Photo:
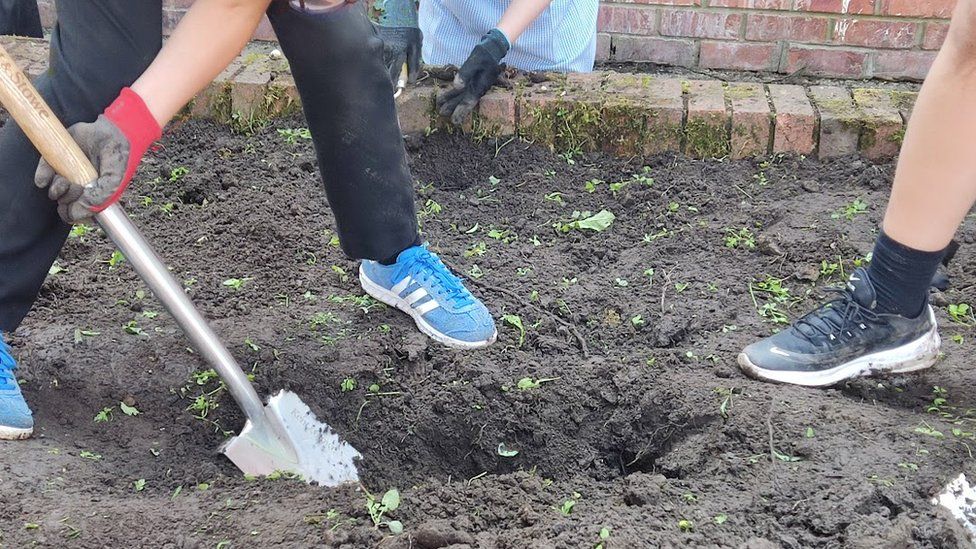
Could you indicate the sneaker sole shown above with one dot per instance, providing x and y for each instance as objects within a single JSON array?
[
  {"x": 13, "y": 433},
  {"x": 393, "y": 300},
  {"x": 913, "y": 356}
]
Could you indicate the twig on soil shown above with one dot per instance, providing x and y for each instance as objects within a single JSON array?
[
  {"x": 769, "y": 426},
  {"x": 584, "y": 348}
]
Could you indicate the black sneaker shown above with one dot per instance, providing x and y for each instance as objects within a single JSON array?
[{"x": 844, "y": 339}]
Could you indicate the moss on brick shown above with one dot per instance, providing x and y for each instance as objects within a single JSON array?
[
  {"x": 566, "y": 126},
  {"x": 706, "y": 139}
]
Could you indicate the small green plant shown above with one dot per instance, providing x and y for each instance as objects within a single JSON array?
[
  {"x": 348, "y": 384},
  {"x": 128, "y": 410},
  {"x": 476, "y": 250},
  {"x": 139, "y": 485},
  {"x": 828, "y": 269},
  {"x": 567, "y": 507},
  {"x": 236, "y": 283},
  {"x": 104, "y": 415},
  {"x": 527, "y": 383},
  {"x": 637, "y": 320},
  {"x": 132, "y": 327},
  {"x": 116, "y": 259},
  {"x": 960, "y": 312},
  {"x": 85, "y": 454},
  {"x": 720, "y": 519},
  {"x": 556, "y": 197},
  {"x": 742, "y": 238},
  {"x": 597, "y": 222},
  {"x": 178, "y": 173},
  {"x": 592, "y": 185},
  {"x": 341, "y": 274},
  {"x": 604, "y": 535},
  {"x": 379, "y": 509},
  {"x": 686, "y": 525},
  {"x": 292, "y": 136},
  {"x": 777, "y": 295},
  {"x": 516, "y": 322},
  {"x": 849, "y": 211}
]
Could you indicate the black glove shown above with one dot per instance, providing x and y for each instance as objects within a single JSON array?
[
  {"x": 401, "y": 45},
  {"x": 475, "y": 77}
]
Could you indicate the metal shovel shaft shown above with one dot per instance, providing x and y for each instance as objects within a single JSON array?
[{"x": 170, "y": 292}]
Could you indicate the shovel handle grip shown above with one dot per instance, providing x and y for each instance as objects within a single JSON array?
[{"x": 42, "y": 127}]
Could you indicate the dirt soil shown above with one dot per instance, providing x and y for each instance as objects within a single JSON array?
[{"x": 634, "y": 419}]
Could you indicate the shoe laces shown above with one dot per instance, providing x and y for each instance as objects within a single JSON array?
[
  {"x": 838, "y": 316},
  {"x": 7, "y": 367},
  {"x": 424, "y": 266}
]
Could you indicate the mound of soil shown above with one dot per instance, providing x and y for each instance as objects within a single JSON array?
[{"x": 611, "y": 402}]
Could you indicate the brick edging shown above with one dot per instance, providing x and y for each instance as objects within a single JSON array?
[{"x": 623, "y": 114}]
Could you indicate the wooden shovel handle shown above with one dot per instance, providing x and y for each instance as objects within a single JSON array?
[{"x": 42, "y": 127}]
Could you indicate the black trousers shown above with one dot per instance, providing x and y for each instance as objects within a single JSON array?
[
  {"x": 20, "y": 17},
  {"x": 100, "y": 46}
]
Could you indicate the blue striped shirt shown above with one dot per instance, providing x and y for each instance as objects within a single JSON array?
[{"x": 562, "y": 39}]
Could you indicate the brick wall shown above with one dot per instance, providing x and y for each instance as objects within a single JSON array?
[{"x": 891, "y": 39}]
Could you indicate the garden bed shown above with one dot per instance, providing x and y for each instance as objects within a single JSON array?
[{"x": 614, "y": 376}]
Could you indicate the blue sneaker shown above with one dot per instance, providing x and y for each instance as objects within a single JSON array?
[
  {"x": 420, "y": 285},
  {"x": 15, "y": 417}
]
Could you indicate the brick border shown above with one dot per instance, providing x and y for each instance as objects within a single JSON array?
[{"x": 622, "y": 114}]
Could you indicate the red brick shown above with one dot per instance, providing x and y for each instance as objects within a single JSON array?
[
  {"x": 752, "y": 4},
  {"x": 900, "y": 65},
  {"x": 626, "y": 20},
  {"x": 795, "y": 120},
  {"x": 840, "y": 130},
  {"x": 751, "y": 119},
  {"x": 706, "y": 135},
  {"x": 415, "y": 109},
  {"x": 655, "y": 50},
  {"x": 497, "y": 110},
  {"x": 721, "y": 25},
  {"x": 738, "y": 56},
  {"x": 794, "y": 28},
  {"x": 875, "y": 34},
  {"x": 826, "y": 62},
  {"x": 664, "y": 2},
  {"x": 858, "y": 7},
  {"x": 935, "y": 34},
  {"x": 918, "y": 8},
  {"x": 882, "y": 126}
]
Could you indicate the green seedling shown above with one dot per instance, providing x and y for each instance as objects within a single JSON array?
[
  {"x": 686, "y": 525},
  {"x": 828, "y": 269},
  {"x": 507, "y": 235},
  {"x": 132, "y": 327},
  {"x": 139, "y": 485},
  {"x": 516, "y": 322},
  {"x": 592, "y": 185},
  {"x": 116, "y": 259},
  {"x": 556, "y": 197},
  {"x": 128, "y": 410},
  {"x": 785, "y": 457},
  {"x": 348, "y": 384},
  {"x": 597, "y": 222},
  {"x": 911, "y": 467},
  {"x": 957, "y": 338},
  {"x": 178, "y": 173},
  {"x": 727, "y": 401},
  {"x": 651, "y": 237},
  {"x": 79, "y": 231},
  {"x": 250, "y": 344},
  {"x": 850, "y": 210},
  {"x": 341, "y": 274},
  {"x": 168, "y": 208},
  {"x": 673, "y": 207},
  {"x": 85, "y": 454},
  {"x": 961, "y": 313},
  {"x": 567, "y": 507},
  {"x": 680, "y": 286},
  {"x": 236, "y": 283},
  {"x": 637, "y": 320},
  {"x": 105, "y": 415},
  {"x": 689, "y": 497},
  {"x": 292, "y": 136},
  {"x": 56, "y": 268},
  {"x": 777, "y": 294},
  {"x": 379, "y": 509},
  {"x": 476, "y": 250},
  {"x": 527, "y": 383},
  {"x": 80, "y": 334},
  {"x": 475, "y": 272},
  {"x": 742, "y": 238},
  {"x": 604, "y": 535},
  {"x": 720, "y": 519},
  {"x": 809, "y": 433}
]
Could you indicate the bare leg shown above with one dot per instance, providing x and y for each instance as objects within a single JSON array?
[{"x": 935, "y": 184}]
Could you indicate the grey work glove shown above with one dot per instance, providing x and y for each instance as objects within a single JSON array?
[
  {"x": 114, "y": 143},
  {"x": 475, "y": 77},
  {"x": 402, "y": 40}
]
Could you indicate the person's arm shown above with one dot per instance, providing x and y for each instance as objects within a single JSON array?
[
  {"x": 208, "y": 38},
  {"x": 211, "y": 34},
  {"x": 519, "y": 16}
]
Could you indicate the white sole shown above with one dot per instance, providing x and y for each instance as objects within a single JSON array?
[
  {"x": 393, "y": 300},
  {"x": 13, "y": 433},
  {"x": 913, "y": 356}
]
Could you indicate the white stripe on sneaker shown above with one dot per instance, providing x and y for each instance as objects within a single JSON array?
[
  {"x": 427, "y": 307},
  {"x": 416, "y": 296},
  {"x": 402, "y": 285}
]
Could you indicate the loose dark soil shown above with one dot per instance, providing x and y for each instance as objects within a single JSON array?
[{"x": 646, "y": 421}]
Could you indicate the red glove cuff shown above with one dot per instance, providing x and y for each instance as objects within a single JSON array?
[{"x": 131, "y": 115}]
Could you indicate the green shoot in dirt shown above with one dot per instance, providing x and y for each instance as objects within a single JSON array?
[
  {"x": 686, "y": 525},
  {"x": 476, "y": 250},
  {"x": 139, "y": 485},
  {"x": 105, "y": 415},
  {"x": 742, "y": 238},
  {"x": 293, "y": 135},
  {"x": 378, "y": 509},
  {"x": 236, "y": 283},
  {"x": 527, "y": 383},
  {"x": 726, "y": 406},
  {"x": 132, "y": 328},
  {"x": 592, "y": 185},
  {"x": 567, "y": 507},
  {"x": 960, "y": 313},
  {"x": 128, "y": 410},
  {"x": 178, "y": 173},
  {"x": 516, "y": 322},
  {"x": 850, "y": 210},
  {"x": 776, "y": 294},
  {"x": 597, "y": 222},
  {"x": 116, "y": 259},
  {"x": 604, "y": 535},
  {"x": 348, "y": 384},
  {"x": 85, "y": 454}
]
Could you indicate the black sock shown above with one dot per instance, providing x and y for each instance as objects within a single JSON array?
[
  {"x": 901, "y": 276},
  {"x": 393, "y": 259}
]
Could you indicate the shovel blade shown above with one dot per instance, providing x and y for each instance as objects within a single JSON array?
[{"x": 293, "y": 440}]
